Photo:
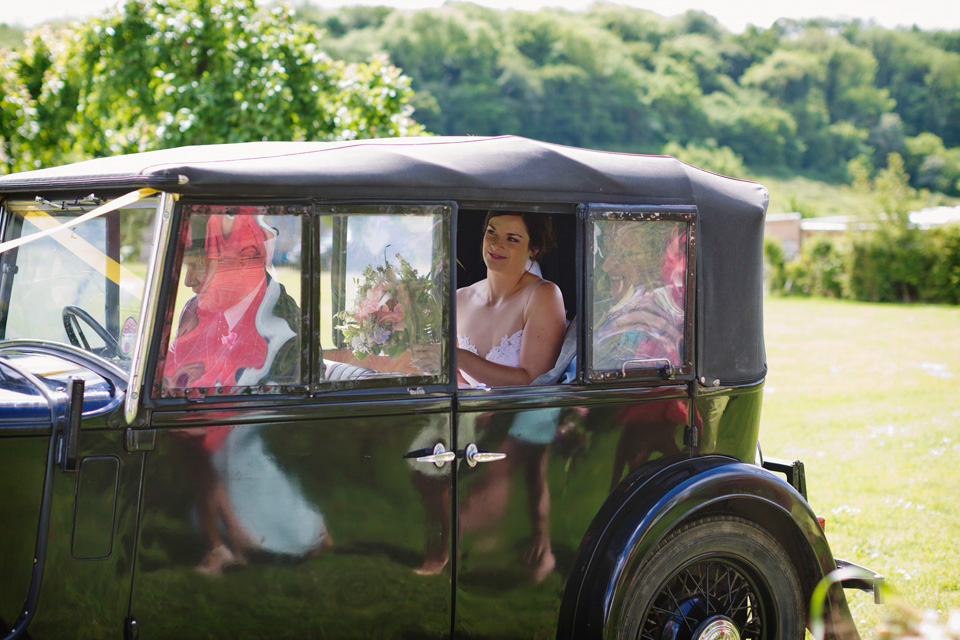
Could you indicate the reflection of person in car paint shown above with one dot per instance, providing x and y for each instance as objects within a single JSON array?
[
  {"x": 241, "y": 326},
  {"x": 644, "y": 319},
  {"x": 648, "y": 430},
  {"x": 527, "y": 446},
  {"x": 239, "y": 329}
]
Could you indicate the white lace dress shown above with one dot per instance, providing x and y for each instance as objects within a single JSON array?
[{"x": 506, "y": 353}]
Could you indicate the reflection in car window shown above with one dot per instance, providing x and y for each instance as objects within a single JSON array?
[
  {"x": 89, "y": 277},
  {"x": 382, "y": 301},
  {"x": 638, "y": 311},
  {"x": 237, "y": 316}
]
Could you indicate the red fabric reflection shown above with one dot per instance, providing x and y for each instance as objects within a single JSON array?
[
  {"x": 218, "y": 335},
  {"x": 673, "y": 269}
]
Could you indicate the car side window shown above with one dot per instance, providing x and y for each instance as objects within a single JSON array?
[
  {"x": 237, "y": 319},
  {"x": 639, "y": 296},
  {"x": 384, "y": 295}
]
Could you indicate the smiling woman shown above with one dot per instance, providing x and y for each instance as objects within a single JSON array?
[{"x": 510, "y": 324}]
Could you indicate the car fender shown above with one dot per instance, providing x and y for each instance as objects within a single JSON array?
[{"x": 653, "y": 502}]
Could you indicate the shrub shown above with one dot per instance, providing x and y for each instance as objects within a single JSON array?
[
  {"x": 887, "y": 265},
  {"x": 891, "y": 264},
  {"x": 867, "y": 275},
  {"x": 820, "y": 269},
  {"x": 942, "y": 281},
  {"x": 774, "y": 265}
]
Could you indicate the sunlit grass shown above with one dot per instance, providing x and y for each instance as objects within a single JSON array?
[{"x": 867, "y": 396}]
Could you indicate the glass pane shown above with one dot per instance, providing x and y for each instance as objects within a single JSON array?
[
  {"x": 639, "y": 270},
  {"x": 382, "y": 295},
  {"x": 237, "y": 312},
  {"x": 89, "y": 277}
]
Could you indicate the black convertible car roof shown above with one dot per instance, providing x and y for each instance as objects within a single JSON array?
[{"x": 491, "y": 170}]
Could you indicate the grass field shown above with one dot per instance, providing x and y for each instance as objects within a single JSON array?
[{"x": 866, "y": 395}]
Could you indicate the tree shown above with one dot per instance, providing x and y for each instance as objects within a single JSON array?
[
  {"x": 887, "y": 137},
  {"x": 943, "y": 106},
  {"x": 765, "y": 135},
  {"x": 631, "y": 25},
  {"x": 925, "y": 161},
  {"x": 788, "y": 76},
  {"x": 903, "y": 66},
  {"x": 894, "y": 192},
  {"x": 38, "y": 106},
  {"x": 677, "y": 101},
  {"x": 850, "y": 92},
  {"x": 709, "y": 156},
  {"x": 454, "y": 59},
  {"x": 18, "y": 126},
  {"x": 162, "y": 73},
  {"x": 703, "y": 54}
]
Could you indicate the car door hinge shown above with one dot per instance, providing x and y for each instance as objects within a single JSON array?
[
  {"x": 140, "y": 440},
  {"x": 130, "y": 629},
  {"x": 691, "y": 437}
]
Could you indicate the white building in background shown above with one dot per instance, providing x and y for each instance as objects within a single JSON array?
[{"x": 792, "y": 230}]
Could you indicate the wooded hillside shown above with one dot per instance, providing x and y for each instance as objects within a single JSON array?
[{"x": 804, "y": 97}]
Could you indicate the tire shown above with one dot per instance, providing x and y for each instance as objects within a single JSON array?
[{"x": 710, "y": 578}]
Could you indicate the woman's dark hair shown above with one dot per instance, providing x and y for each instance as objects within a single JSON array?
[{"x": 539, "y": 228}]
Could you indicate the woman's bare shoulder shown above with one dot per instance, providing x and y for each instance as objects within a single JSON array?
[
  {"x": 543, "y": 289},
  {"x": 545, "y": 298},
  {"x": 471, "y": 292}
]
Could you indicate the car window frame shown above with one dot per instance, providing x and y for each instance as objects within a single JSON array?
[
  {"x": 590, "y": 214},
  {"x": 409, "y": 384},
  {"x": 167, "y": 303}
]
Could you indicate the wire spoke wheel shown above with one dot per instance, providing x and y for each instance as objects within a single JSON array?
[
  {"x": 720, "y": 578},
  {"x": 699, "y": 599}
]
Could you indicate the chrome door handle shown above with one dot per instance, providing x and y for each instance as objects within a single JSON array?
[
  {"x": 473, "y": 455},
  {"x": 440, "y": 456}
]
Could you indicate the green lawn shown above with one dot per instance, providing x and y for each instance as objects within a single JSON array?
[{"x": 866, "y": 395}]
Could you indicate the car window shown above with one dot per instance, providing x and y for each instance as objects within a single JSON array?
[
  {"x": 638, "y": 296},
  {"x": 82, "y": 285},
  {"x": 384, "y": 293},
  {"x": 237, "y": 320}
]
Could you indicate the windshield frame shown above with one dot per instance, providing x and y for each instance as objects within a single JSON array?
[{"x": 148, "y": 309}]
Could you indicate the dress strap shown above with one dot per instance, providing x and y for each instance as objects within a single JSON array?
[{"x": 532, "y": 287}]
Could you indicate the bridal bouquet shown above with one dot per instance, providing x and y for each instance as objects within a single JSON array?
[{"x": 395, "y": 308}]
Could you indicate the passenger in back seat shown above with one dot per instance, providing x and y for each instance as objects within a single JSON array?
[{"x": 510, "y": 325}]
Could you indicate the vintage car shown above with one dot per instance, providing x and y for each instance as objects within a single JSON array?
[{"x": 212, "y": 423}]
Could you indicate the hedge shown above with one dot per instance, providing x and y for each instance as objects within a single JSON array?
[{"x": 887, "y": 265}]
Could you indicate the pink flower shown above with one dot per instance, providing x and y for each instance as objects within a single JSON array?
[
  {"x": 375, "y": 298},
  {"x": 229, "y": 339},
  {"x": 397, "y": 316}
]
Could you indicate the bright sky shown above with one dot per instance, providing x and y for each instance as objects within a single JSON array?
[{"x": 735, "y": 15}]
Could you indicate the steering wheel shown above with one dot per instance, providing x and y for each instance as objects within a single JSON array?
[{"x": 71, "y": 317}]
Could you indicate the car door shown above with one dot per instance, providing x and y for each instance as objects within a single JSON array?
[
  {"x": 303, "y": 486},
  {"x": 540, "y": 462},
  {"x": 70, "y": 307}
]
